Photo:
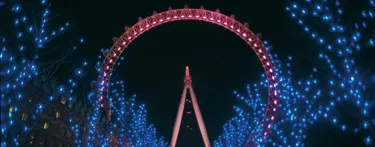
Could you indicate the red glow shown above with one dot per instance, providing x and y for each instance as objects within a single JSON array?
[
  {"x": 198, "y": 114},
  {"x": 187, "y": 72},
  {"x": 200, "y": 15}
]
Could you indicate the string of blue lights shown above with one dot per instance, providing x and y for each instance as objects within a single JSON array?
[
  {"x": 306, "y": 102},
  {"x": 303, "y": 102},
  {"x": 21, "y": 48},
  {"x": 129, "y": 120}
]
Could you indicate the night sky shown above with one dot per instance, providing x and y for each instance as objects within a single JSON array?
[{"x": 220, "y": 62}]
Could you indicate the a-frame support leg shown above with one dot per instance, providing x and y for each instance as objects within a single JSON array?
[
  {"x": 199, "y": 117},
  {"x": 177, "y": 124},
  {"x": 197, "y": 111}
]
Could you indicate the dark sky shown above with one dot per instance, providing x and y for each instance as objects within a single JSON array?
[{"x": 154, "y": 64}]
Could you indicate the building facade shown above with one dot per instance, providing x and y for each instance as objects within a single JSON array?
[{"x": 51, "y": 126}]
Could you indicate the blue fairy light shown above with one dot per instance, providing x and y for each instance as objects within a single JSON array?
[
  {"x": 319, "y": 101},
  {"x": 20, "y": 71}
]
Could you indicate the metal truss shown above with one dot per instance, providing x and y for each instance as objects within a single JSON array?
[{"x": 214, "y": 17}]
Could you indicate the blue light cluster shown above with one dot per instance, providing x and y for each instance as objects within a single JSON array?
[
  {"x": 94, "y": 136},
  {"x": 334, "y": 83},
  {"x": 71, "y": 86},
  {"x": 22, "y": 45},
  {"x": 127, "y": 119}
]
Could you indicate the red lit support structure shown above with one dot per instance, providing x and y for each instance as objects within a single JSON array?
[
  {"x": 213, "y": 17},
  {"x": 197, "y": 111}
]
